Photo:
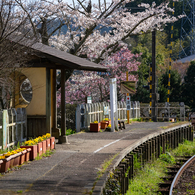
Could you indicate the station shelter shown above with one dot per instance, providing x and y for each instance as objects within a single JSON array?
[{"x": 36, "y": 89}]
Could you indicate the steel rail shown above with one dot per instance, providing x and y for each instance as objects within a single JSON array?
[{"x": 179, "y": 173}]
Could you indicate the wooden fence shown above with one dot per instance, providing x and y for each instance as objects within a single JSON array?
[
  {"x": 13, "y": 127},
  {"x": 87, "y": 113}
]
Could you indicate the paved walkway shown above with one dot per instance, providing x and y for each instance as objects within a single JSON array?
[{"x": 72, "y": 169}]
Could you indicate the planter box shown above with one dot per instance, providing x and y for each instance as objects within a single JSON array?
[
  {"x": 48, "y": 144},
  {"x": 22, "y": 157},
  {"x": 27, "y": 155},
  {"x": 95, "y": 127},
  {"x": 44, "y": 146},
  {"x": 1, "y": 162},
  {"x": 5, "y": 165},
  {"x": 108, "y": 122},
  {"x": 33, "y": 152},
  {"x": 52, "y": 142},
  {"x": 40, "y": 148},
  {"x": 11, "y": 162},
  {"x": 104, "y": 124},
  {"x": 17, "y": 159}
]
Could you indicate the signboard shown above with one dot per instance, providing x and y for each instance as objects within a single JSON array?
[
  {"x": 128, "y": 102},
  {"x": 89, "y": 100},
  {"x": 106, "y": 110}
]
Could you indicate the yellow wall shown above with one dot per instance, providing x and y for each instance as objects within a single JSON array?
[{"x": 37, "y": 77}]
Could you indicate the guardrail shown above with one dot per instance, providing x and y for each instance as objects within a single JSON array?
[{"x": 13, "y": 127}]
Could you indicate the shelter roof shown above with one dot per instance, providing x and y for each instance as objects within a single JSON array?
[{"x": 57, "y": 58}]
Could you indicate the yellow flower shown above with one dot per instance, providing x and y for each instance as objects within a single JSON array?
[
  {"x": 106, "y": 119},
  {"x": 95, "y": 122},
  {"x": 2, "y": 157},
  {"x": 48, "y": 135},
  {"x": 109, "y": 126},
  {"x": 7, "y": 154},
  {"x": 44, "y": 137}
]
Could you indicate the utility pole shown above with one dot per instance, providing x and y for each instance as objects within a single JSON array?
[{"x": 154, "y": 113}]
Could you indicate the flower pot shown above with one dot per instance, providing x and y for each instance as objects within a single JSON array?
[
  {"x": 104, "y": 124},
  {"x": 48, "y": 144},
  {"x": 11, "y": 162},
  {"x": 33, "y": 152},
  {"x": 1, "y": 162},
  {"x": 17, "y": 159},
  {"x": 108, "y": 122},
  {"x": 44, "y": 144},
  {"x": 40, "y": 148},
  {"x": 52, "y": 142},
  {"x": 27, "y": 156},
  {"x": 95, "y": 127},
  {"x": 22, "y": 157},
  {"x": 5, "y": 165}
]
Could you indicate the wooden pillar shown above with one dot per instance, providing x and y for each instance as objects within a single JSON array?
[
  {"x": 63, "y": 137},
  {"x": 55, "y": 131},
  {"x": 48, "y": 101}
]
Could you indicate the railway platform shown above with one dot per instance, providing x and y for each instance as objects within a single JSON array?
[{"x": 73, "y": 168}]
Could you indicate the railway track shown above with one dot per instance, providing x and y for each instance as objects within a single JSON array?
[{"x": 174, "y": 174}]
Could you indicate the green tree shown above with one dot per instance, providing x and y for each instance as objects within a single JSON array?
[
  {"x": 175, "y": 87},
  {"x": 142, "y": 94},
  {"x": 189, "y": 86}
]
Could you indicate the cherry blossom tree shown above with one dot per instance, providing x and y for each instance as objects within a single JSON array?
[
  {"x": 91, "y": 30},
  {"x": 94, "y": 31},
  {"x": 80, "y": 85}
]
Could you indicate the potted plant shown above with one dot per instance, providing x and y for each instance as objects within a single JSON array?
[
  {"x": 5, "y": 165},
  {"x": 108, "y": 128},
  {"x": 32, "y": 144},
  {"x": 39, "y": 145},
  {"x": 22, "y": 156},
  {"x": 17, "y": 154},
  {"x": 95, "y": 126},
  {"x": 48, "y": 141},
  {"x": 50, "y": 145},
  {"x": 108, "y": 121},
  {"x": 1, "y": 162},
  {"x": 44, "y": 144},
  {"x": 27, "y": 156},
  {"x": 104, "y": 124}
]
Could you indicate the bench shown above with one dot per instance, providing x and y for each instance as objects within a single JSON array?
[{"x": 121, "y": 124}]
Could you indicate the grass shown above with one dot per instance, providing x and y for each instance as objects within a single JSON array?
[
  {"x": 70, "y": 132},
  {"x": 100, "y": 173},
  {"x": 147, "y": 179},
  {"x": 46, "y": 154}
]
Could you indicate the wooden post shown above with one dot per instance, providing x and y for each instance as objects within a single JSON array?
[
  {"x": 55, "y": 132},
  {"x": 63, "y": 137},
  {"x": 48, "y": 101}
]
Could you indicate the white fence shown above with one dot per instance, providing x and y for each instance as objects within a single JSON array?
[
  {"x": 87, "y": 113},
  {"x": 13, "y": 127}
]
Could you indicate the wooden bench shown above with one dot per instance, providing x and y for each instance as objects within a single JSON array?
[{"x": 121, "y": 124}]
